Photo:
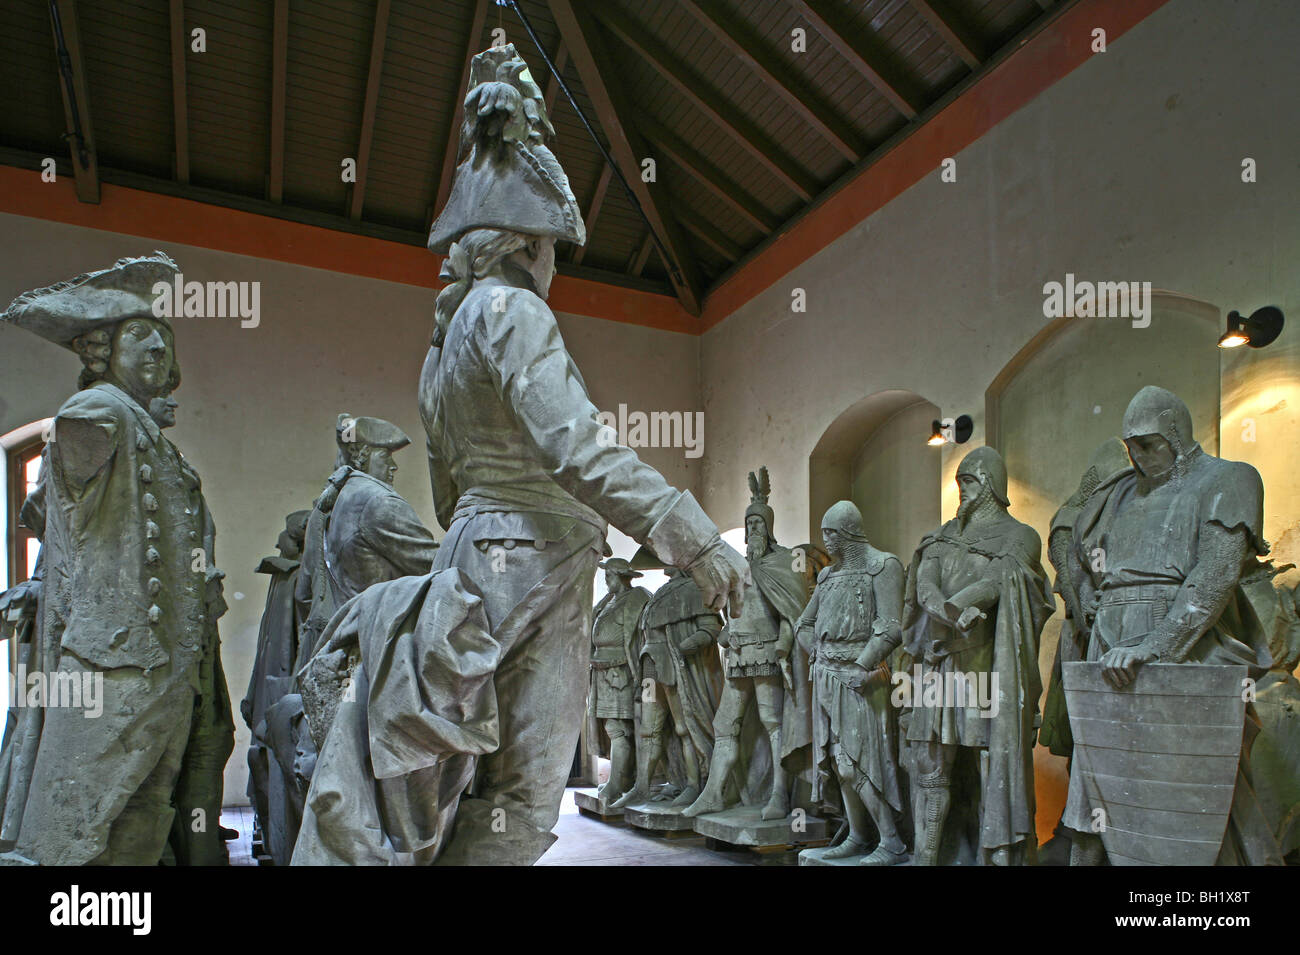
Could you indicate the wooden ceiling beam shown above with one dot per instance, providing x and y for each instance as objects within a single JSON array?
[
  {"x": 593, "y": 210},
  {"x": 945, "y": 22},
  {"x": 708, "y": 175},
  {"x": 378, "y": 41},
  {"x": 279, "y": 79},
  {"x": 835, "y": 29},
  {"x": 708, "y": 233},
  {"x": 180, "y": 107},
  {"x": 600, "y": 79},
  {"x": 560, "y": 59},
  {"x": 775, "y": 75},
  {"x": 640, "y": 256},
  {"x": 452, "y": 148},
  {"x": 76, "y": 99},
  {"x": 699, "y": 93}
]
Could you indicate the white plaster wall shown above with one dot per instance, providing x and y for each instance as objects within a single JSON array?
[{"x": 257, "y": 406}]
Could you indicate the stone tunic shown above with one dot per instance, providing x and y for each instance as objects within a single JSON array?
[
  {"x": 854, "y": 725},
  {"x": 613, "y": 654}
]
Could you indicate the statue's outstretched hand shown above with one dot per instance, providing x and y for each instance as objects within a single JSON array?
[{"x": 722, "y": 576}]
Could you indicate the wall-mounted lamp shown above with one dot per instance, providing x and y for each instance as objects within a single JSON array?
[
  {"x": 1260, "y": 329},
  {"x": 951, "y": 431}
]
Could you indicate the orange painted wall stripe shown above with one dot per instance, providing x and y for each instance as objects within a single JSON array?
[
  {"x": 164, "y": 219},
  {"x": 1060, "y": 48}
]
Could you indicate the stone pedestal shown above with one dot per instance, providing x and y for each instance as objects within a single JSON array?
[
  {"x": 590, "y": 803},
  {"x": 745, "y": 826},
  {"x": 661, "y": 818}
]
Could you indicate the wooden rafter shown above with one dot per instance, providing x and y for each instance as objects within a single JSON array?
[
  {"x": 707, "y": 175},
  {"x": 708, "y": 233},
  {"x": 180, "y": 108},
  {"x": 600, "y": 79},
  {"x": 279, "y": 79},
  {"x": 832, "y": 26},
  {"x": 775, "y": 75},
  {"x": 452, "y": 148},
  {"x": 593, "y": 210},
  {"x": 76, "y": 99},
  {"x": 701, "y": 95},
  {"x": 641, "y": 255},
  {"x": 943, "y": 19},
  {"x": 560, "y": 59},
  {"x": 378, "y": 41}
]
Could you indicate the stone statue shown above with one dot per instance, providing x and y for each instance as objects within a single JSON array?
[
  {"x": 853, "y": 624},
  {"x": 1160, "y": 552},
  {"x": 276, "y": 798},
  {"x": 680, "y": 676},
  {"x": 524, "y": 482},
  {"x": 360, "y": 530},
  {"x": 197, "y": 837},
  {"x": 124, "y": 533},
  {"x": 975, "y": 603},
  {"x": 612, "y": 695},
  {"x": 758, "y": 668}
]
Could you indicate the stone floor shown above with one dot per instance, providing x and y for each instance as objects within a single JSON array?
[{"x": 581, "y": 841}]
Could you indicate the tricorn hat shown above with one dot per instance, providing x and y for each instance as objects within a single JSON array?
[
  {"x": 507, "y": 178},
  {"x": 619, "y": 566},
  {"x": 67, "y": 310},
  {"x": 372, "y": 432}
]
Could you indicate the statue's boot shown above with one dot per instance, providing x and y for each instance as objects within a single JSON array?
[
  {"x": 692, "y": 790},
  {"x": 725, "y": 750},
  {"x": 778, "y": 805},
  {"x": 620, "y": 766},
  {"x": 1086, "y": 849},
  {"x": 935, "y": 800},
  {"x": 647, "y": 757},
  {"x": 884, "y": 856},
  {"x": 849, "y": 847}
]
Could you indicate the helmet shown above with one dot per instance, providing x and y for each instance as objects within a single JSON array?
[{"x": 845, "y": 519}]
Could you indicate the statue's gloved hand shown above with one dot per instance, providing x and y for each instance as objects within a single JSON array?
[
  {"x": 20, "y": 601},
  {"x": 1119, "y": 665},
  {"x": 722, "y": 576},
  {"x": 968, "y": 618},
  {"x": 695, "y": 642}
]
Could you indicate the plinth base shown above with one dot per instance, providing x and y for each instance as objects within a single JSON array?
[
  {"x": 590, "y": 803},
  {"x": 661, "y": 818},
  {"x": 745, "y": 826}
]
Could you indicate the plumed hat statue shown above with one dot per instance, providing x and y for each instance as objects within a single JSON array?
[{"x": 507, "y": 177}]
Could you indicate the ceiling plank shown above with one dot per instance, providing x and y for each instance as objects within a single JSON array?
[
  {"x": 640, "y": 256},
  {"x": 378, "y": 40},
  {"x": 945, "y": 22},
  {"x": 762, "y": 147},
  {"x": 593, "y": 211},
  {"x": 560, "y": 59},
  {"x": 180, "y": 107},
  {"x": 76, "y": 99},
  {"x": 835, "y": 29},
  {"x": 279, "y": 77},
  {"x": 452, "y": 149},
  {"x": 776, "y": 76},
  {"x": 709, "y": 234},
  {"x": 708, "y": 175},
  {"x": 600, "y": 79}
]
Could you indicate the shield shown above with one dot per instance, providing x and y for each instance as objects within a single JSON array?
[{"x": 1158, "y": 757}]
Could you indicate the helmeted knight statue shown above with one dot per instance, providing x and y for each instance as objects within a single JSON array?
[
  {"x": 679, "y": 683},
  {"x": 759, "y": 672},
  {"x": 1161, "y": 551},
  {"x": 611, "y": 697},
  {"x": 852, "y": 625},
  {"x": 125, "y": 605},
  {"x": 524, "y": 482},
  {"x": 975, "y": 603}
]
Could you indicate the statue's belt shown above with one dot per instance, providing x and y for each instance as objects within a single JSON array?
[
  {"x": 841, "y": 651},
  {"x": 736, "y": 639},
  {"x": 1135, "y": 593},
  {"x": 604, "y": 657}
]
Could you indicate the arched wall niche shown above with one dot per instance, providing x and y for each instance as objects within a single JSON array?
[
  {"x": 1061, "y": 396},
  {"x": 874, "y": 454}
]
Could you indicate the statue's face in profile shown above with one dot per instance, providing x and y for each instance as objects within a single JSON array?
[
  {"x": 287, "y": 546},
  {"x": 381, "y": 466},
  {"x": 614, "y": 583},
  {"x": 831, "y": 538},
  {"x": 1151, "y": 454},
  {"x": 141, "y": 362},
  {"x": 163, "y": 411}
]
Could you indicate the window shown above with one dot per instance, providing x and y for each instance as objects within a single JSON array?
[{"x": 24, "y": 471}]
